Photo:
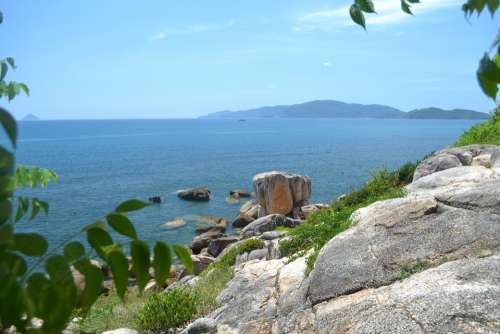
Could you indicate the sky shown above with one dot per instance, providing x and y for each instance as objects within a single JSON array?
[{"x": 97, "y": 59}]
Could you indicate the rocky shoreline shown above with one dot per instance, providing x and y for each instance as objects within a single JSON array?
[{"x": 428, "y": 262}]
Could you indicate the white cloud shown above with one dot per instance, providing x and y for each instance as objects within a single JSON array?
[
  {"x": 388, "y": 12},
  {"x": 193, "y": 29}
]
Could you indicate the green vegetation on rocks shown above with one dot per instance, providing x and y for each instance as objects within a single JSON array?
[
  {"x": 326, "y": 224},
  {"x": 484, "y": 133},
  {"x": 164, "y": 312}
]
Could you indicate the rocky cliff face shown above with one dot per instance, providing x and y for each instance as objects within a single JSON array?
[{"x": 425, "y": 263}]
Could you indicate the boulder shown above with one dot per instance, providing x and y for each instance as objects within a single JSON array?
[
  {"x": 216, "y": 246},
  {"x": 201, "y": 326},
  {"x": 436, "y": 163},
  {"x": 155, "y": 199},
  {"x": 450, "y": 179},
  {"x": 212, "y": 220},
  {"x": 203, "y": 240},
  {"x": 210, "y": 228},
  {"x": 195, "y": 194},
  {"x": 452, "y": 157},
  {"x": 242, "y": 220},
  {"x": 457, "y": 297},
  {"x": 481, "y": 160},
  {"x": 279, "y": 192},
  {"x": 312, "y": 208},
  {"x": 271, "y": 235},
  {"x": 388, "y": 235},
  {"x": 121, "y": 331},
  {"x": 200, "y": 263},
  {"x": 495, "y": 158},
  {"x": 238, "y": 193},
  {"x": 250, "y": 209},
  {"x": 269, "y": 223}
]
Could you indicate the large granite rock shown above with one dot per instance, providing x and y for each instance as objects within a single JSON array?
[
  {"x": 279, "y": 192},
  {"x": 389, "y": 235},
  {"x": 268, "y": 223},
  {"x": 453, "y": 157},
  {"x": 457, "y": 297},
  {"x": 121, "y": 331},
  {"x": 195, "y": 194},
  {"x": 200, "y": 263}
]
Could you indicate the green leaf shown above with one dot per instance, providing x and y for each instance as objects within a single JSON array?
[
  {"x": 93, "y": 284},
  {"x": 140, "y": 262},
  {"x": 183, "y": 255},
  {"x": 488, "y": 76},
  {"x": 357, "y": 16},
  {"x": 366, "y": 6},
  {"x": 1, "y": 17},
  {"x": 96, "y": 224},
  {"x": 9, "y": 125},
  {"x": 121, "y": 224},
  {"x": 131, "y": 205},
  {"x": 119, "y": 267},
  {"x": 3, "y": 70},
  {"x": 6, "y": 236},
  {"x": 35, "y": 208},
  {"x": 161, "y": 262},
  {"x": 38, "y": 291},
  {"x": 5, "y": 210},
  {"x": 405, "y": 7},
  {"x": 414, "y": 1},
  {"x": 22, "y": 207},
  {"x": 14, "y": 262},
  {"x": 73, "y": 251},
  {"x": 65, "y": 297},
  {"x": 11, "y": 62},
  {"x": 30, "y": 244},
  {"x": 98, "y": 239},
  {"x": 24, "y": 88}
]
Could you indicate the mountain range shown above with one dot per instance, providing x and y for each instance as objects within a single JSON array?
[{"x": 338, "y": 109}]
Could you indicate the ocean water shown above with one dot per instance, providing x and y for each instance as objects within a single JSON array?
[{"x": 101, "y": 163}]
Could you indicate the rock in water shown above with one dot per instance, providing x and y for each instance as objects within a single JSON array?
[
  {"x": 195, "y": 194},
  {"x": 240, "y": 193},
  {"x": 178, "y": 222},
  {"x": 279, "y": 192}
]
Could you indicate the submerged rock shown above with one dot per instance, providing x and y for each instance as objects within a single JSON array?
[
  {"x": 195, "y": 194},
  {"x": 178, "y": 222}
]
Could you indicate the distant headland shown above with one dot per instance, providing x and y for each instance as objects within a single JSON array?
[{"x": 338, "y": 109}]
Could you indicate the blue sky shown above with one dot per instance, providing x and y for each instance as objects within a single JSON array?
[{"x": 180, "y": 59}]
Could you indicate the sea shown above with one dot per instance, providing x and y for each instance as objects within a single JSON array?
[{"x": 101, "y": 163}]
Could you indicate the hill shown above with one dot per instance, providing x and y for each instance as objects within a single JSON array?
[
  {"x": 338, "y": 109},
  {"x": 30, "y": 117}
]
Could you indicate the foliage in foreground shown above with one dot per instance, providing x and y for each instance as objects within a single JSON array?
[
  {"x": 484, "y": 133},
  {"x": 165, "y": 312},
  {"x": 45, "y": 289},
  {"x": 326, "y": 224}
]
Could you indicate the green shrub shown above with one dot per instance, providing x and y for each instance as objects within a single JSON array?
[
  {"x": 485, "y": 133},
  {"x": 167, "y": 311},
  {"x": 325, "y": 224},
  {"x": 409, "y": 269},
  {"x": 164, "y": 312}
]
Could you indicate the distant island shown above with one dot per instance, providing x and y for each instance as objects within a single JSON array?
[
  {"x": 338, "y": 109},
  {"x": 30, "y": 117}
]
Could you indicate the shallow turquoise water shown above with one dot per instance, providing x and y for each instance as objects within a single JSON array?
[{"x": 101, "y": 163}]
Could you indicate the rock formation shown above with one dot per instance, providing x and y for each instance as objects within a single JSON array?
[
  {"x": 428, "y": 262},
  {"x": 279, "y": 192}
]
